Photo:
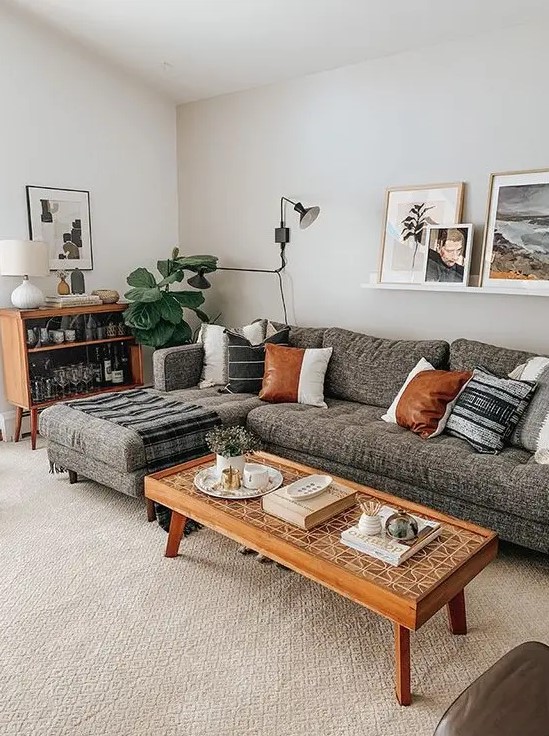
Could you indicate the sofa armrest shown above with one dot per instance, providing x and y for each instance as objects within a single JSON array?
[{"x": 177, "y": 368}]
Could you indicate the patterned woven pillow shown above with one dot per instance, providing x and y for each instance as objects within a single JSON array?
[
  {"x": 532, "y": 431},
  {"x": 247, "y": 361},
  {"x": 488, "y": 410}
]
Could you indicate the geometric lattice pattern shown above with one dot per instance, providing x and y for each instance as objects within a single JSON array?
[{"x": 413, "y": 579}]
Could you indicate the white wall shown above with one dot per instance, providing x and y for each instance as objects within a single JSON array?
[
  {"x": 69, "y": 120},
  {"x": 452, "y": 112}
]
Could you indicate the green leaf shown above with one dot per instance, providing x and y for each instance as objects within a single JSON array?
[
  {"x": 141, "y": 278},
  {"x": 142, "y": 315},
  {"x": 202, "y": 315},
  {"x": 205, "y": 263},
  {"x": 158, "y": 337},
  {"x": 190, "y": 299},
  {"x": 177, "y": 275},
  {"x": 182, "y": 334},
  {"x": 170, "y": 309},
  {"x": 142, "y": 294},
  {"x": 164, "y": 267}
]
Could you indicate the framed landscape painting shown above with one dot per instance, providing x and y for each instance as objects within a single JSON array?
[
  {"x": 61, "y": 218},
  {"x": 409, "y": 211},
  {"x": 516, "y": 238}
]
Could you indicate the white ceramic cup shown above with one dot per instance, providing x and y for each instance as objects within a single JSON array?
[{"x": 255, "y": 476}]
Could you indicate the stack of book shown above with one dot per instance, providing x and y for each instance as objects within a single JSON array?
[
  {"x": 310, "y": 512},
  {"x": 72, "y": 300},
  {"x": 386, "y": 548}
]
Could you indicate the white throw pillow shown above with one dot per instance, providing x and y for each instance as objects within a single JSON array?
[
  {"x": 390, "y": 415},
  {"x": 216, "y": 350}
]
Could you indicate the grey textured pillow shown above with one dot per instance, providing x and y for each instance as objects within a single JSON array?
[
  {"x": 488, "y": 410},
  {"x": 532, "y": 432}
]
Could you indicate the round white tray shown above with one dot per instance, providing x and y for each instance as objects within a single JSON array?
[{"x": 207, "y": 481}]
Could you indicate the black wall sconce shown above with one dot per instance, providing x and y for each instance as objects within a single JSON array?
[{"x": 307, "y": 215}]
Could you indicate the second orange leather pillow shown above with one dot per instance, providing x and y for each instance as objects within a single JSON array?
[{"x": 427, "y": 401}]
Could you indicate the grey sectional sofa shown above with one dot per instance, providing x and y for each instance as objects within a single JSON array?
[{"x": 506, "y": 492}]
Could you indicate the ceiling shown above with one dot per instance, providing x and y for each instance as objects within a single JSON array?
[{"x": 193, "y": 49}]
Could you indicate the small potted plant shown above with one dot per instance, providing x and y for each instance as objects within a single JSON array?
[{"x": 231, "y": 444}]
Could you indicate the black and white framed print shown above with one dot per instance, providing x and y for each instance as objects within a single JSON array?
[
  {"x": 61, "y": 218},
  {"x": 448, "y": 254}
]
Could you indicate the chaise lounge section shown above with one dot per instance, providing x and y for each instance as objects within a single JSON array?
[{"x": 507, "y": 492}]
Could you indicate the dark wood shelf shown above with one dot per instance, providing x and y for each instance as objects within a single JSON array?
[
  {"x": 60, "y": 346},
  {"x": 95, "y": 392}
]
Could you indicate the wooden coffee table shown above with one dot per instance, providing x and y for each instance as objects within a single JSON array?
[{"x": 407, "y": 595}]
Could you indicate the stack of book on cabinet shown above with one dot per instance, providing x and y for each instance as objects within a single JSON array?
[
  {"x": 307, "y": 513},
  {"x": 386, "y": 548},
  {"x": 72, "y": 300}
]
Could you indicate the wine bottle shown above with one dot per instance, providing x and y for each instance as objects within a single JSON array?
[
  {"x": 117, "y": 372},
  {"x": 125, "y": 363},
  {"x": 98, "y": 370},
  {"x": 107, "y": 365}
]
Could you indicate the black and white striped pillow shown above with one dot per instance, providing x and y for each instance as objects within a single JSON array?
[
  {"x": 247, "y": 362},
  {"x": 488, "y": 410}
]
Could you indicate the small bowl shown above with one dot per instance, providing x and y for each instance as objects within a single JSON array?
[
  {"x": 401, "y": 526},
  {"x": 107, "y": 296}
]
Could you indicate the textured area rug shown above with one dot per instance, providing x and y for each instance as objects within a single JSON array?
[{"x": 101, "y": 635}]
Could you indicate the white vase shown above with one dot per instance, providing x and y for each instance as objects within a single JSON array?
[
  {"x": 370, "y": 525},
  {"x": 236, "y": 463}
]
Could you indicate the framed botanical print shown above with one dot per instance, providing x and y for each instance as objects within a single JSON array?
[
  {"x": 516, "y": 237},
  {"x": 61, "y": 218},
  {"x": 408, "y": 213},
  {"x": 448, "y": 258}
]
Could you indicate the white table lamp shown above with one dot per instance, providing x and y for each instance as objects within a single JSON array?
[{"x": 25, "y": 258}]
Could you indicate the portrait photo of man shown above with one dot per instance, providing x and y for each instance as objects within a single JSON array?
[{"x": 448, "y": 254}]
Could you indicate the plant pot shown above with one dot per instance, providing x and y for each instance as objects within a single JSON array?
[{"x": 236, "y": 463}]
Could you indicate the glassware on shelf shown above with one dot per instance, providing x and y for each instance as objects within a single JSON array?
[
  {"x": 75, "y": 377},
  {"x": 32, "y": 337},
  {"x": 61, "y": 379},
  {"x": 88, "y": 374}
]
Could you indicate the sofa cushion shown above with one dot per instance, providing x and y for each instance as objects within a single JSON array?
[
  {"x": 122, "y": 448},
  {"x": 303, "y": 337},
  {"x": 372, "y": 369},
  {"x": 354, "y": 434},
  {"x": 465, "y": 355}
]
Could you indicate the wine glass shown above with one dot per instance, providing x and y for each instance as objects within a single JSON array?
[
  {"x": 75, "y": 377},
  {"x": 87, "y": 376},
  {"x": 61, "y": 379}
]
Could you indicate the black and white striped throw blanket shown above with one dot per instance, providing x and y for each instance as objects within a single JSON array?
[{"x": 172, "y": 432}]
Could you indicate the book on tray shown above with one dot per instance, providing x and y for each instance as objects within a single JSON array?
[
  {"x": 309, "y": 512},
  {"x": 386, "y": 548}
]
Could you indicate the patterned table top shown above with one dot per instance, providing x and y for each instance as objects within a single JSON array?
[{"x": 412, "y": 580}]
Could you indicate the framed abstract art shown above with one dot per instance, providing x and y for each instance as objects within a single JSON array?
[
  {"x": 408, "y": 213},
  {"x": 61, "y": 218}
]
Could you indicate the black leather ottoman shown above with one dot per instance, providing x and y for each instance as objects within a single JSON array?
[{"x": 509, "y": 699}]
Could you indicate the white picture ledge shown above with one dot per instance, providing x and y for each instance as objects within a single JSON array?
[{"x": 449, "y": 289}]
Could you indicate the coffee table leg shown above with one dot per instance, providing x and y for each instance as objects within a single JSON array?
[
  {"x": 177, "y": 526},
  {"x": 402, "y": 660},
  {"x": 457, "y": 617}
]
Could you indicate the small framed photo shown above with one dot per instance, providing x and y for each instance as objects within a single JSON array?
[
  {"x": 61, "y": 218},
  {"x": 448, "y": 254}
]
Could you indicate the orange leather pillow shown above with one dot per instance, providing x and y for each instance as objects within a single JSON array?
[
  {"x": 428, "y": 399},
  {"x": 295, "y": 375}
]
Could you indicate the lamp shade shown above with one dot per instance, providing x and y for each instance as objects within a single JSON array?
[
  {"x": 307, "y": 215},
  {"x": 24, "y": 258}
]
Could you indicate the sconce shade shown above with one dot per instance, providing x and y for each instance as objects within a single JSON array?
[
  {"x": 24, "y": 258},
  {"x": 199, "y": 281},
  {"x": 307, "y": 215}
]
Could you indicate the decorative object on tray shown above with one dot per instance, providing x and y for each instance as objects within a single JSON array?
[
  {"x": 408, "y": 213},
  {"x": 63, "y": 289},
  {"x": 385, "y": 548},
  {"x": 155, "y": 314},
  {"x": 516, "y": 240},
  {"x": 488, "y": 410},
  {"x": 231, "y": 479},
  {"x": 61, "y": 218},
  {"x": 310, "y": 512},
  {"x": 402, "y": 526},
  {"x": 448, "y": 254},
  {"x": 370, "y": 521},
  {"x": 231, "y": 444},
  {"x": 209, "y": 481},
  {"x": 78, "y": 284},
  {"x": 255, "y": 476},
  {"x": 295, "y": 375},
  {"x": 24, "y": 258},
  {"x": 246, "y": 363},
  {"x": 107, "y": 296},
  {"x": 308, "y": 487}
]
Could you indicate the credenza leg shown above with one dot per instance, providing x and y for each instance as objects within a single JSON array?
[
  {"x": 34, "y": 427},
  {"x": 177, "y": 527},
  {"x": 402, "y": 661},
  {"x": 18, "y": 420}
]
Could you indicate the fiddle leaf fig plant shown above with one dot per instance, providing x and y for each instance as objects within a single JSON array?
[{"x": 156, "y": 314}]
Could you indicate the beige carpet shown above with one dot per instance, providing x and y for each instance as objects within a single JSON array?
[{"x": 100, "y": 634}]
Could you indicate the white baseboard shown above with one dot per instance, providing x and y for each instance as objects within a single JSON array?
[{"x": 7, "y": 425}]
